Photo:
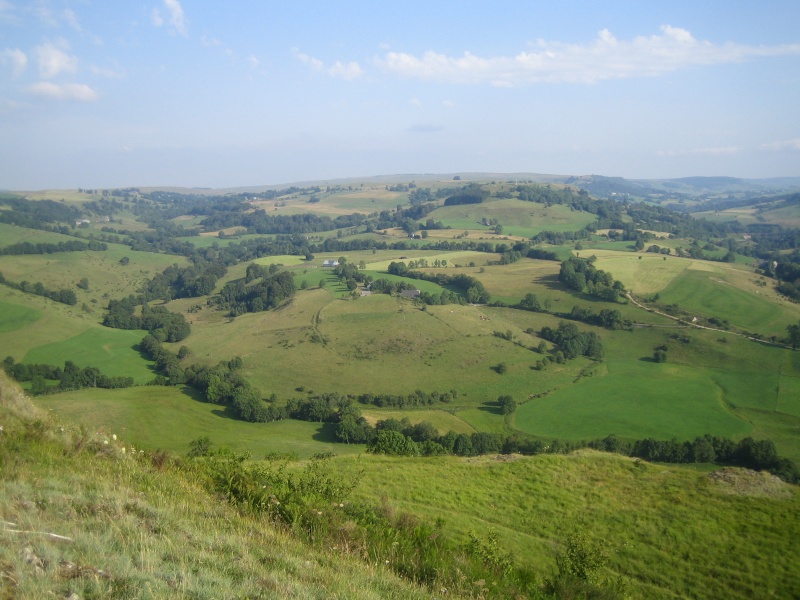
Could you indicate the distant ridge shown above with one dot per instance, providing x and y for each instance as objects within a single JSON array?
[{"x": 598, "y": 185}]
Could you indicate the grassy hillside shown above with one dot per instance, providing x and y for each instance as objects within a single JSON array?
[
  {"x": 671, "y": 532},
  {"x": 83, "y": 514}
]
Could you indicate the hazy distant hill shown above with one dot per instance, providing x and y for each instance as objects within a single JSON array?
[{"x": 597, "y": 185}]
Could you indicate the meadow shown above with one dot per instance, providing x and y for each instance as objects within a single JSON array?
[
  {"x": 168, "y": 418},
  {"x": 708, "y": 289},
  {"x": 517, "y": 217}
]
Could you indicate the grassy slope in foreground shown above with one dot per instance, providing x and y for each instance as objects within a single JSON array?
[
  {"x": 139, "y": 531},
  {"x": 671, "y": 531}
]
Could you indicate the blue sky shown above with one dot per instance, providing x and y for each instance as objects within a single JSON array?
[{"x": 220, "y": 94}]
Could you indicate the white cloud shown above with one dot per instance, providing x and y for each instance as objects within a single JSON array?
[
  {"x": 53, "y": 59},
  {"x": 253, "y": 61},
  {"x": 448, "y": 103},
  {"x": 176, "y": 16},
  {"x": 66, "y": 91},
  {"x": 16, "y": 58},
  {"x": 783, "y": 145},
  {"x": 314, "y": 63},
  {"x": 556, "y": 62},
  {"x": 415, "y": 102},
  {"x": 348, "y": 71}
]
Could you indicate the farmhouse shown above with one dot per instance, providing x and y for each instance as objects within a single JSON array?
[
  {"x": 330, "y": 262},
  {"x": 410, "y": 294}
]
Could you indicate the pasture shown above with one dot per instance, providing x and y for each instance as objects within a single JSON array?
[
  {"x": 442, "y": 420},
  {"x": 110, "y": 350},
  {"x": 518, "y": 217},
  {"x": 166, "y": 418},
  {"x": 102, "y": 269},
  {"x": 11, "y": 234},
  {"x": 363, "y": 200},
  {"x": 377, "y": 344},
  {"x": 634, "y": 399},
  {"x": 706, "y": 288},
  {"x": 16, "y": 316}
]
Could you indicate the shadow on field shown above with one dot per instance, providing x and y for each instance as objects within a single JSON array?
[
  {"x": 326, "y": 433},
  {"x": 551, "y": 282},
  {"x": 492, "y": 407},
  {"x": 226, "y": 413}
]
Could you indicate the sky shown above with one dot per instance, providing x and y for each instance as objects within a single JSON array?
[{"x": 202, "y": 93}]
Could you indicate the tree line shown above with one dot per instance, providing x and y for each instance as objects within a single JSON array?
[
  {"x": 47, "y": 248},
  {"x": 161, "y": 323},
  {"x": 64, "y": 296},
  {"x": 70, "y": 377}
]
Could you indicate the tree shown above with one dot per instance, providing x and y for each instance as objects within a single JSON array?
[
  {"x": 507, "y": 404},
  {"x": 660, "y": 356},
  {"x": 794, "y": 335},
  {"x": 501, "y": 368}
]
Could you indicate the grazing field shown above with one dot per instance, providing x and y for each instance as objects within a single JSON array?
[
  {"x": 785, "y": 216},
  {"x": 55, "y": 322},
  {"x": 517, "y": 217},
  {"x": 15, "y": 316},
  {"x": 442, "y": 420},
  {"x": 11, "y": 234},
  {"x": 365, "y": 201},
  {"x": 156, "y": 417},
  {"x": 642, "y": 273},
  {"x": 660, "y": 523},
  {"x": 110, "y": 350},
  {"x": 377, "y": 344},
  {"x": 461, "y": 257},
  {"x": 102, "y": 269},
  {"x": 722, "y": 290},
  {"x": 634, "y": 399},
  {"x": 711, "y": 293}
]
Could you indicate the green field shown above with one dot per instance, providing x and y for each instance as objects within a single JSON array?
[
  {"x": 634, "y": 399},
  {"x": 110, "y": 350},
  {"x": 14, "y": 316},
  {"x": 517, "y": 217},
  {"x": 11, "y": 234},
  {"x": 709, "y": 294},
  {"x": 166, "y": 418}
]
